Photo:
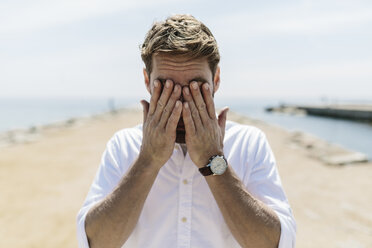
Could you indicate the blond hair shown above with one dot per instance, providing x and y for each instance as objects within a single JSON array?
[{"x": 180, "y": 35}]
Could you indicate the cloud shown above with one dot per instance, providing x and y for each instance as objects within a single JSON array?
[
  {"x": 333, "y": 78},
  {"x": 334, "y": 70},
  {"x": 68, "y": 65},
  {"x": 109, "y": 70},
  {"x": 38, "y": 14},
  {"x": 301, "y": 19}
]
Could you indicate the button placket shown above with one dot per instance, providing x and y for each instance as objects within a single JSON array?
[
  {"x": 178, "y": 158},
  {"x": 185, "y": 204}
]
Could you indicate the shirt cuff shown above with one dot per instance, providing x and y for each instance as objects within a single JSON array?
[
  {"x": 288, "y": 231},
  {"x": 81, "y": 234}
]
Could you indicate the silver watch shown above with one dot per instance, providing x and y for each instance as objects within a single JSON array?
[{"x": 217, "y": 166}]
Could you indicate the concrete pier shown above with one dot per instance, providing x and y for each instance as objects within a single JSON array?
[{"x": 350, "y": 112}]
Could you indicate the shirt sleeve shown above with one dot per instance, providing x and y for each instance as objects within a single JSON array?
[
  {"x": 264, "y": 183},
  {"x": 106, "y": 179}
]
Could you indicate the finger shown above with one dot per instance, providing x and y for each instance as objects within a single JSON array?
[
  {"x": 208, "y": 99},
  {"x": 155, "y": 96},
  {"x": 145, "y": 107},
  {"x": 199, "y": 102},
  {"x": 192, "y": 108},
  {"x": 222, "y": 119},
  {"x": 174, "y": 118},
  {"x": 187, "y": 119},
  {"x": 167, "y": 111},
  {"x": 163, "y": 100}
]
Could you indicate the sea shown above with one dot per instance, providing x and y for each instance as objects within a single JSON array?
[{"x": 23, "y": 113}]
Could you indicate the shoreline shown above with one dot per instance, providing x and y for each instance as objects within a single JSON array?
[
  {"x": 35, "y": 132},
  {"x": 44, "y": 182},
  {"x": 328, "y": 153}
]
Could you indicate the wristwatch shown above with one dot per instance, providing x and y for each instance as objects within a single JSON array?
[{"x": 217, "y": 166}]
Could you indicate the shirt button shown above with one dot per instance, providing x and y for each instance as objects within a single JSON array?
[
  {"x": 184, "y": 219},
  {"x": 185, "y": 181}
]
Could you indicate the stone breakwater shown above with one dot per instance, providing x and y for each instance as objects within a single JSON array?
[
  {"x": 315, "y": 147},
  {"x": 348, "y": 112}
]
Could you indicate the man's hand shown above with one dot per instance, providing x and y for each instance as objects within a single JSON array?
[
  {"x": 204, "y": 132},
  {"x": 111, "y": 221},
  {"x": 160, "y": 119}
]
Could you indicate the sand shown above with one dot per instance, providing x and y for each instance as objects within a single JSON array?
[{"x": 44, "y": 181}]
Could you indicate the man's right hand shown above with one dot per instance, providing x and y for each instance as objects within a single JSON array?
[
  {"x": 160, "y": 119},
  {"x": 111, "y": 221}
]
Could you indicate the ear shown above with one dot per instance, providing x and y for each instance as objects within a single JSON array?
[
  {"x": 216, "y": 80},
  {"x": 147, "y": 80}
]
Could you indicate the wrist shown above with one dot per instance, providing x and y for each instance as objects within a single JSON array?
[
  {"x": 149, "y": 163},
  {"x": 217, "y": 165},
  {"x": 205, "y": 160}
]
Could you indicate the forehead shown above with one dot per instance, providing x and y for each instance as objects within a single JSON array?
[{"x": 180, "y": 69}]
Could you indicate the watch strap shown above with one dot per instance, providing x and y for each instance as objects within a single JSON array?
[{"x": 206, "y": 171}]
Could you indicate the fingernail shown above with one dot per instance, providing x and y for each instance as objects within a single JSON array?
[
  {"x": 177, "y": 104},
  {"x": 194, "y": 85},
  {"x": 186, "y": 105},
  {"x": 156, "y": 84},
  {"x": 206, "y": 86},
  {"x": 187, "y": 91},
  {"x": 176, "y": 88},
  {"x": 167, "y": 84}
]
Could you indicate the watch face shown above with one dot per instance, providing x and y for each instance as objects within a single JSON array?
[{"x": 218, "y": 165}]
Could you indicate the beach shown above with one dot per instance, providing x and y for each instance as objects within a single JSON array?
[{"x": 45, "y": 174}]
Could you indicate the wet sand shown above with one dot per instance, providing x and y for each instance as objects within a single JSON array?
[{"x": 44, "y": 180}]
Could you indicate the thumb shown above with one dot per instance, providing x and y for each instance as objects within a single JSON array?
[
  {"x": 222, "y": 119},
  {"x": 145, "y": 106}
]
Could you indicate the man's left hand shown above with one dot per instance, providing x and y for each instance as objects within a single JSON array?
[{"x": 204, "y": 131}]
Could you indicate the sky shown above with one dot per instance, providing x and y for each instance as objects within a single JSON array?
[{"x": 271, "y": 49}]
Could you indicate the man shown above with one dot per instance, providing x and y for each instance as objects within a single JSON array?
[{"x": 185, "y": 178}]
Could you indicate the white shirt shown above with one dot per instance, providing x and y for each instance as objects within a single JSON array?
[{"x": 180, "y": 210}]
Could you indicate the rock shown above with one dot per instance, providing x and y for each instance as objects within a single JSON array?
[
  {"x": 346, "y": 158},
  {"x": 328, "y": 153}
]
